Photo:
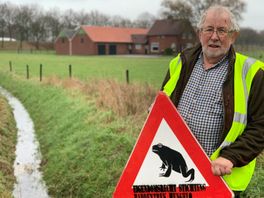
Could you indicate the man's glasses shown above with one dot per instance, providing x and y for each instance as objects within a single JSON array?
[{"x": 221, "y": 32}]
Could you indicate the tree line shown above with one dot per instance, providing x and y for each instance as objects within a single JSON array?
[{"x": 30, "y": 23}]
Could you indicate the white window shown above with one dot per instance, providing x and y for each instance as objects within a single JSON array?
[
  {"x": 138, "y": 46},
  {"x": 173, "y": 46},
  {"x": 154, "y": 47}
]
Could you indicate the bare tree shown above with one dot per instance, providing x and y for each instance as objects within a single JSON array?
[
  {"x": 192, "y": 9},
  {"x": 38, "y": 27},
  {"x": 176, "y": 9},
  {"x": 23, "y": 22},
  {"x": 68, "y": 19},
  {"x": 118, "y": 21},
  {"x": 53, "y": 24},
  {"x": 11, "y": 10},
  {"x": 3, "y": 22},
  {"x": 82, "y": 18},
  {"x": 97, "y": 18},
  {"x": 248, "y": 36},
  {"x": 145, "y": 20}
]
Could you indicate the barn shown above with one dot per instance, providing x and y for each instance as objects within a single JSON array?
[{"x": 99, "y": 40}]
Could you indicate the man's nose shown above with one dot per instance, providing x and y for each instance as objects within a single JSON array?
[{"x": 215, "y": 36}]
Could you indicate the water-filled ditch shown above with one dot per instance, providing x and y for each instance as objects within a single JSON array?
[{"x": 26, "y": 166}]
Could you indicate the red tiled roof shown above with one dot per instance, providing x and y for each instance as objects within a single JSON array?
[{"x": 112, "y": 34}]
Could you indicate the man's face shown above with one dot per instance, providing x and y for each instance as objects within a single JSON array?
[{"x": 215, "y": 35}]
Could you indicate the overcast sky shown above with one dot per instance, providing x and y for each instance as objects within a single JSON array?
[{"x": 253, "y": 17}]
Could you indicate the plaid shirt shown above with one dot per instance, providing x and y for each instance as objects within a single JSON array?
[{"x": 201, "y": 104}]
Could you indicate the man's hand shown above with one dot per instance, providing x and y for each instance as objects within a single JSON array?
[{"x": 221, "y": 166}]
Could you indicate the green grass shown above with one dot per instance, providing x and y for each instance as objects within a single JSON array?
[
  {"x": 7, "y": 148},
  {"x": 149, "y": 70},
  {"x": 82, "y": 157},
  {"x": 256, "y": 186}
]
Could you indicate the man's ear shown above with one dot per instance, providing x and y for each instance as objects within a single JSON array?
[
  {"x": 198, "y": 33},
  {"x": 234, "y": 36}
]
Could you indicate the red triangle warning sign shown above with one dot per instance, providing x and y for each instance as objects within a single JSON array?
[{"x": 167, "y": 161}]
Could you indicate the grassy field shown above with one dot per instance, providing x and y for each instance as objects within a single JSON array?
[
  {"x": 87, "y": 129},
  {"x": 141, "y": 69}
]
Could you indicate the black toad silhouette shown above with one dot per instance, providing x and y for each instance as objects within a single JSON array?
[{"x": 172, "y": 160}]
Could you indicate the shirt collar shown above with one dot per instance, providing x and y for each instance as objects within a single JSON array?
[{"x": 220, "y": 62}]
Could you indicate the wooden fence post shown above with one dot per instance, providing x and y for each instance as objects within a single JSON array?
[
  {"x": 70, "y": 71},
  {"x": 10, "y": 66},
  {"x": 127, "y": 76},
  {"x": 27, "y": 72},
  {"x": 40, "y": 73}
]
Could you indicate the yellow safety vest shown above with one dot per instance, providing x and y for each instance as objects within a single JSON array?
[{"x": 244, "y": 71}]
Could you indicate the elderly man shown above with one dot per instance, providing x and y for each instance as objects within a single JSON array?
[{"x": 220, "y": 95}]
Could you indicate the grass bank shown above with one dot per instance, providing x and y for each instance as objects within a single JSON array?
[
  {"x": 8, "y": 133},
  {"x": 84, "y": 148}
]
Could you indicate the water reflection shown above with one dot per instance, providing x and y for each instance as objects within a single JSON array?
[{"x": 26, "y": 166}]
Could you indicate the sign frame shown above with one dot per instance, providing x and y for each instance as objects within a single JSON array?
[{"x": 163, "y": 108}]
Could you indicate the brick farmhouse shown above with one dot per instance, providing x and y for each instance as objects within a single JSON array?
[{"x": 97, "y": 40}]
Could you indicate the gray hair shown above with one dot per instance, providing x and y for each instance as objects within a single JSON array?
[{"x": 233, "y": 22}]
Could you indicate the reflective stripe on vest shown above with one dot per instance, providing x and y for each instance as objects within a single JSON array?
[
  {"x": 175, "y": 70},
  {"x": 244, "y": 70}
]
